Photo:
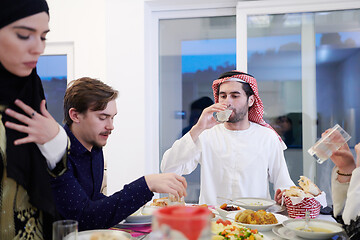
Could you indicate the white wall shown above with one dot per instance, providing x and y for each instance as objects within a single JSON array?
[
  {"x": 125, "y": 151},
  {"x": 109, "y": 45},
  {"x": 71, "y": 21}
]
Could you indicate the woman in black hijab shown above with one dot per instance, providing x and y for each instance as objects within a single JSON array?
[{"x": 32, "y": 144}]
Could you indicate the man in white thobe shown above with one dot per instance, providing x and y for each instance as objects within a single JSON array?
[{"x": 238, "y": 157}]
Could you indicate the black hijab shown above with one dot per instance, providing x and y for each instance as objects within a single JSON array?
[
  {"x": 13, "y": 10},
  {"x": 25, "y": 163}
]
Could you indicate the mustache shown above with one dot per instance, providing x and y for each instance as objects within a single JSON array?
[{"x": 105, "y": 133}]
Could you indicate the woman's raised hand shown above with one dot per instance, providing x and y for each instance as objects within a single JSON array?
[{"x": 40, "y": 127}]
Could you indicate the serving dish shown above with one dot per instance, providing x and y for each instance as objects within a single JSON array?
[
  {"x": 254, "y": 203},
  {"x": 223, "y": 213},
  {"x": 318, "y": 226},
  {"x": 263, "y": 227}
]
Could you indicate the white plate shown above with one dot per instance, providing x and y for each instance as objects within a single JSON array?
[
  {"x": 124, "y": 224},
  {"x": 142, "y": 215},
  {"x": 293, "y": 224},
  {"x": 284, "y": 232},
  {"x": 86, "y": 235},
  {"x": 139, "y": 219},
  {"x": 276, "y": 208},
  {"x": 148, "y": 210},
  {"x": 254, "y": 203},
  {"x": 264, "y": 227}
]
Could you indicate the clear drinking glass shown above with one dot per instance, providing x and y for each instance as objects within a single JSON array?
[
  {"x": 222, "y": 116},
  {"x": 329, "y": 143},
  {"x": 65, "y": 230}
]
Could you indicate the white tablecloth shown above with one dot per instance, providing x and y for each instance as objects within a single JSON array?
[{"x": 269, "y": 235}]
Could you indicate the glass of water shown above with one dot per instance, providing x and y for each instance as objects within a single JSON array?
[{"x": 329, "y": 143}]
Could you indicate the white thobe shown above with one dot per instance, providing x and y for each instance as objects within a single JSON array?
[
  {"x": 346, "y": 196},
  {"x": 234, "y": 164}
]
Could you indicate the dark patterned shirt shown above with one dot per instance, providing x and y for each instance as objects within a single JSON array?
[{"x": 77, "y": 192}]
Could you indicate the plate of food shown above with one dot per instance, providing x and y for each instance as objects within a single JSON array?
[
  {"x": 145, "y": 213},
  {"x": 103, "y": 234},
  {"x": 319, "y": 229},
  {"x": 160, "y": 202},
  {"x": 222, "y": 228},
  {"x": 260, "y": 220},
  {"x": 254, "y": 203},
  {"x": 139, "y": 217}
]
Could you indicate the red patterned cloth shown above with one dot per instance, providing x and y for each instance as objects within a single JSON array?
[
  {"x": 256, "y": 112},
  {"x": 298, "y": 210}
]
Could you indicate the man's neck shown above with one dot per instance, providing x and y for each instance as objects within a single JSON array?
[
  {"x": 76, "y": 133},
  {"x": 241, "y": 125}
]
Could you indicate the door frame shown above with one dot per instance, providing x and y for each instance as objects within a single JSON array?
[{"x": 154, "y": 12}]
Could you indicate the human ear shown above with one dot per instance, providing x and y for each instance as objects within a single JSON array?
[
  {"x": 74, "y": 115},
  {"x": 251, "y": 100}
]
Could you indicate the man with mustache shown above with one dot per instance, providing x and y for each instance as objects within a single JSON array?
[
  {"x": 90, "y": 108},
  {"x": 238, "y": 158}
]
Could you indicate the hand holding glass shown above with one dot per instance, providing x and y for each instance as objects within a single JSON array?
[
  {"x": 222, "y": 116},
  {"x": 329, "y": 143}
]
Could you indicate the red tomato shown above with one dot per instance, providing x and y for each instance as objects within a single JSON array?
[
  {"x": 223, "y": 222},
  {"x": 220, "y": 220},
  {"x": 227, "y": 222}
]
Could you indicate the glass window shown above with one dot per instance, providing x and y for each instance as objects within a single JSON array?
[
  {"x": 337, "y": 35},
  {"x": 52, "y": 70},
  {"x": 274, "y": 59},
  {"x": 305, "y": 65},
  {"x": 276, "y": 46},
  {"x": 193, "y": 53}
]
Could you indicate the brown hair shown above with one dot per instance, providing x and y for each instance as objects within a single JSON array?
[{"x": 86, "y": 94}]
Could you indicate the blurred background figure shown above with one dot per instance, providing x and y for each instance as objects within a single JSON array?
[
  {"x": 284, "y": 127},
  {"x": 196, "y": 109}
]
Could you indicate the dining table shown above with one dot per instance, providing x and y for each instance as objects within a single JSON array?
[
  {"x": 143, "y": 232},
  {"x": 270, "y": 235}
]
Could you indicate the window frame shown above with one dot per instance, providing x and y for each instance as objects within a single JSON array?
[{"x": 62, "y": 48}]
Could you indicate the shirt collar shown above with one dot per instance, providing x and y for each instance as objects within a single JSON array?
[{"x": 75, "y": 143}]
